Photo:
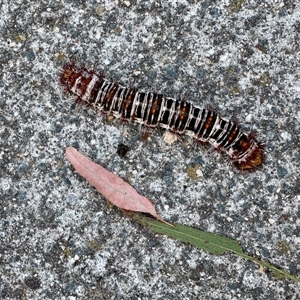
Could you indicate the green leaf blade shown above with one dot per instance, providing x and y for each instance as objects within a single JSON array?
[{"x": 212, "y": 243}]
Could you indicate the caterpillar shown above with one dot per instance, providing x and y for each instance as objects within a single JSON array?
[{"x": 156, "y": 110}]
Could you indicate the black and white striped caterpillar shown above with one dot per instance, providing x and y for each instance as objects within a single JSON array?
[{"x": 155, "y": 110}]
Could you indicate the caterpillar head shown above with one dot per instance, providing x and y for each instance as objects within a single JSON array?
[{"x": 254, "y": 157}]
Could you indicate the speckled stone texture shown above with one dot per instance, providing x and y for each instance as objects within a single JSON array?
[{"x": 59, "y": 238}]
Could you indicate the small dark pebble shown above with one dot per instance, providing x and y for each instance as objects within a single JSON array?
[
  {"x": 282, "y": 172},
  {"x": 33, "y": 282},
  {"x": 122, "y": 150},
  {"x": 22, "y": 168},
  {"x": 75, "y": 145}
]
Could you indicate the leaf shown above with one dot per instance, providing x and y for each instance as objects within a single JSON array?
[
  {"x": 212, "y": 243},
  {"x": 111, "y": 186}
]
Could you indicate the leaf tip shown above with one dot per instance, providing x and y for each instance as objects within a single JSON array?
[{"x": 69, "y": 149}]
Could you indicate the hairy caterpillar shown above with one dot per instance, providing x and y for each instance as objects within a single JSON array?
[{"x": 155, "y": 110}]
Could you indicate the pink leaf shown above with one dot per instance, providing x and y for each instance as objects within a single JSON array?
[{"x": 111, "y": 186}]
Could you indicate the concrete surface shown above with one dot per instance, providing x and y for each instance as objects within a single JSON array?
[{"x": 59, "y": 238}]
